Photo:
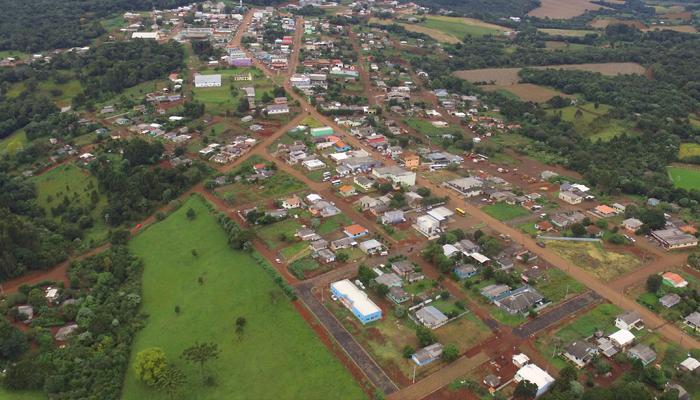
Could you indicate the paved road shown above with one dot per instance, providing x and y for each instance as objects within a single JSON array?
[
  {"x": 557, "y": 314},
  {"x": 370, "y": 368}
]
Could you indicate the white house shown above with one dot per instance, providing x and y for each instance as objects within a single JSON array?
[
  {"x": 428, "y": 226},
  {"x": 534, "y": 374},
  {"x": 201, "y": 81},
  {"x": 622, "y": 338}
]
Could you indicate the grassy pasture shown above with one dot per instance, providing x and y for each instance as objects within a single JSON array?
[
  {"x": 278, "y": 355},
  {"x": 685, "y": 177},
  {"x": 504, "y": 212},
  {"x": 13, "y": 143},
  {"x": 593, "y": 257}
]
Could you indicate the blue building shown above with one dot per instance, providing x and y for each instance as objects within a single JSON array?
[
  {"x": 356, "y": 301},
  {"x": 465, "y": 271}
]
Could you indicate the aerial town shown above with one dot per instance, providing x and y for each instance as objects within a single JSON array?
[{"x": 357, "y": 200}]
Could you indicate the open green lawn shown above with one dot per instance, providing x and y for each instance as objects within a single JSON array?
[
  {"x": 559, "y": 285},
  {"x": 77, "y": 185},
  {"x": 278, "y": 185},
  {"x": 13, "y": 143},
  {"x": 270, "y": 234},
  {"x": 24, "y": 395},
  {"x": 685, "y": 177},
  {"x": 593, "y": 122},
  {"x": 504, "y": 211},
  {"x": 61, "y": 93},
  {"x": 218, "y": 99},
  {"x": 460, "y": 27},
  {"x": 333, "y": 223},
  {"x": 278, "y": 356}
]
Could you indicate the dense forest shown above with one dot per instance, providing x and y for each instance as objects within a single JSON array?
[
  {"x": 103, "y": 299},
  {"x": 36, "y": 25}
]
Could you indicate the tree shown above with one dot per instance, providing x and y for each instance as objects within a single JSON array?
[
  {"x": 408, "y": 351},
  {"x": 365, "y": 274},
  {"x": 525, "y": 390},
  {"x": 654, "y": 282},
  {"x": 201, "y": 353},
  {"x": 240, "y": 324},
  {"x": 382, "y": 290},
  {"x": 13, "y": 343},
  {"x": 171, "y": 380},
  {"x": 450, "y": 353},
  {"x": 342, "y": 256},
  {"x": 578, "y": 230},
  {"x": 119, "y": 237},
  {"x": 191, "y": 214},
  {"x": 150, "y": 365},
  {"x": 425, "y": 336},
  {"x": 36, "y": 298}
]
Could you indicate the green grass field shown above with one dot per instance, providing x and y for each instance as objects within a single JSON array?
[
  {"x": 460, "y": 27},
  {"x": 592, "y": 122},
  {"x": 559, "y": 285},
  {"x": 24, "y": 395},
  {"x": 218, "y": 99},
  {"x": 276, "y": 186},
  {"x": 684, "y": 177},
  {"x": 72, "y": 182},
  {"x": 504, "y": 211},
  {"x": 13, "y": 143},
  {"x": 593, "y": 257},
  {"x": 270, "y": 234},
  {"x": 278, "y": 355}
]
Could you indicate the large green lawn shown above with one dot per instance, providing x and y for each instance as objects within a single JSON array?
[
  {"x": 278, "y": 357},
  {"x": 5, "y": 395},
  {"x": 218, "y": 99},
  {"x": 504, "y": 211},
  {"x": 685, "y": 178},
  {"x": 77, "y": 185},
  {"x": 13, "y": 143},
  {"x": 460, "y": 27}
]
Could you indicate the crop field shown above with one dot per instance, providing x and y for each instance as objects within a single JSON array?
[
  {"x": 676, "y": 28},
  {"x": 509, "y": 76},
  {"x": 689, "y": 150},
  {"x": 567, "y": 32},
  {"x": 277, "y": 356},
  {"x": 602, "y": 23},
  {"x": 504, "y": 211},
  {"x": 529, "y": 91},
  {"x": 562, "y": 9},
  {"x": 685, "y": 177},
  {"x": 460, "y": 27},
  {"x": 604, "y": 264}
]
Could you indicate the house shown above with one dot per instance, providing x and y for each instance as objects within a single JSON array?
[
  {"x": 632, "y": 224},
  {"x": 492, "y": 381},
  {"x": 544, "y": 226},
  {"x": 520, "y": 360},
  {"x": 629, "y": 320},
  {"x": 390, "y": 279},
  {"x": 674, "y": 238},
  {"x": 534, "y": 374},
  {"x": 682, "y": 393},
  {"x": 277, "y": 109},
  {"x": 465, "y": 271},
  {"x": 606, "y": 347},
  {"x": 347, "y": 190},
  {"x": 441, "y": 214},
  {"x": 570, "y": 197},
  {"x": 343, "y": 243},
  {"x": 325, "y": 256},
  {"x": 313, "y": 164},
  {"x": 402, "y": 268},
  {"x": 51, "y": 294},
  {"x": 431, "y": 317},
  {"x": 364, "y": 182},
  {"x": 642, "y": 353},
  {"x": 467, "y": 246},
  {"x": 393, "y": 217},
  {"x": 371, "y": 247},
  {"x": 605, "y": 211},
  {"x": 674, "y": 280},
  {"x": 533, "y": 274},
  {"x": 356, "y": 301},
  {"x": 411, "y": 160},
  {"x": 690, "y": 364},
  {"x": 450, "y": 250},
  {"x": 64, "y": 332},
  {"x": 355, "y": 231},
  {"x": 414, "y": 277},
  {"x": 291, "y": 202},
  {"x": 520, "y": 300},
  {"x": 427, "y": 354},
  {"x": 693, "y": 320},
  {"x": 493, "y": 291},
  {"x": 670, "y": 300},
  {"x": 580, "y": 353},
  {"x": 307, "y": 234},
  {"x": 203, "y": 81},
  {"x": 398, "y": 295},
  {"x": 469, "y": 186},
  {"x": 428, "y": 226},
  {"x": 483, "y": 260},
  {"x": 395, "y": 174},
  {"x": 25, "y": 312},
  {"x": 622, "y": 338},
  {"x": 318, "y": 245}
]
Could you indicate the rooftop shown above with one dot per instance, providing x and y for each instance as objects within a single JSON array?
[{"x": 356, "y": 297}]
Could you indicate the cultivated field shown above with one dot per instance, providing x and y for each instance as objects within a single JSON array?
[
  {"x": 685, "y": 176},
  {"x": 450, "y": 29},
  {"x": 277, "y": 357},
  {"x": 528, "y": 91},
  {"x": 677, "y": 28},
  {"x": 567, "y": 32},
  {"x": 562, "y": 9},
  {"x": 509, "y": 76},
  {"x": 602, "y": 23},
  {"x": 689, "y": 150},
  {"x": 604, "y": 264}
]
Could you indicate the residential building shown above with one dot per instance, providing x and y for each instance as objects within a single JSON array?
[
  {"x": 411, "y": 160},
  {"x": 534, "y": 374},
  {"x": 371, "y": 247},
  {"x": 570, "y": 197},
  {"x": 580, "y": 353},
  {"x": 629, "y": 320},
  {"x": 203, "y": 81},
  {"x": 674, "y": 280},
  {"x": 431, "y": 317},
  {"x": 441, "y": 214},
  {"x": 469, "y": 186},
  {"x": 427, "y": 354},
  {"x": 670, "y": 300},
  {"x": 632, "y": 224},
  {"x": 325, "y": 256},
  {"x": 642, "y": 353},
  {"x": 291, "y": 202},
  {"x": 622, "y": 338},
  {"x": 402, "y": 268},
  {"x": 398, "y": 295},
  {"x": 690, "y": 364},
  {"x": 389, "y": 279},
  {"x": 397, "y": 175},
  {"x": 428, "y": 226},
  {"x": 393, "y": 217},
  {"x": 347, "y": 190},
  {"x": 496, "y": 290},
  {"x": 674, "y": 238},
  {"x": 519, "y": 301},
  {"x": 276, "y": 109},
  {"x": 356, "y": 301},
  {"x": 465, "y": 271},
  {"x": 693, "y": 320},
  {"x": 365, "y": 183},
  {"x": 355, "y": 231}
]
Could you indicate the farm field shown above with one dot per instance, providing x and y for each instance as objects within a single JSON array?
[
  {"x": 677, "y": 28},
  {"x": 562, "y": 9},
  {"x": 277, "y": 356},
  {"x": 528, "y": 91},
  {"x": 567, "y": 32},
  {"x": 460, "y": 27},
  {"x": 602, "y": 23},
  {"x": 604, "y": 264},
  {"x": 684, "y": 177},
  {"x": 13, "y": 143},
  {"x": 509, "y": 76},
  {"x": 689, "y": 150},
  {"x": 77, "y": 185},
  {"x": 504, "y": 211}
]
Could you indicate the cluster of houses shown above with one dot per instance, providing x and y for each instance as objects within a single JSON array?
[
  {"x": 273, "y": 52},
  {"x": 54, "y": 298},
  {"x": 225, "y": 153}
]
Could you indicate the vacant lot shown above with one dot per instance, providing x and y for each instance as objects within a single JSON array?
[
  {"x": 529, "y": 91},
  {"x": 278, "y": 185},
  {"x": 604, "y": 264},
  {"x": 509, "y": 76},
  {"x": 594, "y": 123},
  {"x": 504, "y": 211},
  {"x": 685, "y": 177},
  {"x": 278, "y": 356},
  {"x": 219, "y": 99},
  {"x": 562, "y": 9}
]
